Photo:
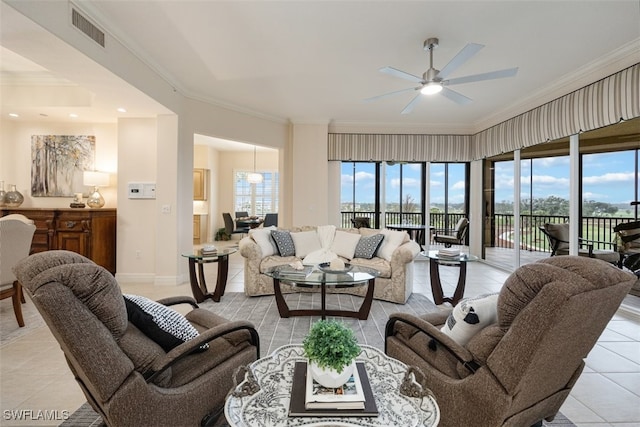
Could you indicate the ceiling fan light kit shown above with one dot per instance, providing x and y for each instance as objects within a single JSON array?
[
  {"x": 433, "y": 81},
  {"x": 431, "y": 88}
]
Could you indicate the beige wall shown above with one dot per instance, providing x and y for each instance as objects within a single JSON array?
[
  {"x": 137, "y": 157},
  {"x": 15, "y": 157},
  {"x": 310, "y": 175}
]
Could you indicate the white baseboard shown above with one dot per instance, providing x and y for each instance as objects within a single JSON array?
[
  {"x": 144, "y": 278},
  {"x": 135, "y": 278}
]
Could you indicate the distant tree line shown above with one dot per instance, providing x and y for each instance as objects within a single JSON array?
[{"x": 556, "y": 206}]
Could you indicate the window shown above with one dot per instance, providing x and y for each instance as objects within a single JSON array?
[
  {"x": 359, "y": 191},
  {"x": 448, "y": 194},
  {"x": 399, "y": 196},
  {"x": 257, "y": 199},
  {"x": 403, "y": 193}
]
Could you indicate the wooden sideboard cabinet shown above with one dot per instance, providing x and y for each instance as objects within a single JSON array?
[{"x": 89, "y": 232}]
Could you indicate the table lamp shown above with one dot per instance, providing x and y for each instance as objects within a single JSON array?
[{"x": 97, "y": 180}]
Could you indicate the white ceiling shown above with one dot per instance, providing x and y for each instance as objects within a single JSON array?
[{"x": 316, "y": 61}]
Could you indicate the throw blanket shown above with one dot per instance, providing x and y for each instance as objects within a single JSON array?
[{"x": 326, "y": 233}]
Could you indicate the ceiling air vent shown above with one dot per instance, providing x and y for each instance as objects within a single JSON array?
[{"x": 87, "y": 27}]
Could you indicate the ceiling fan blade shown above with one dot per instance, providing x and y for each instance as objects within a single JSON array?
[
  {"x": 409, "y": 108},
  {"x": 384, "y": 95},
  {"x": 403, "y": 75},
  {"x": 463, "y": 56},
  {"x": 509, "y": 72},
  {"x": 454, "y": 96}
]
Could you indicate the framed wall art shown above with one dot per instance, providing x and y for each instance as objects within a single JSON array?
[{"x": 58, "y": 163}]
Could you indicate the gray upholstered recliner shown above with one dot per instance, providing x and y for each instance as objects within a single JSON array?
[
  {"x": 519, "y": 370},
  {"x": 127, "y": 377}
]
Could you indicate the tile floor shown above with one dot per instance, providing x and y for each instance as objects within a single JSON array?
[{"x": 37, "y": 386}]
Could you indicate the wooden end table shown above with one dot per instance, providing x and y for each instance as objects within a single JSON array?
[{"x": 198, "y": 282}]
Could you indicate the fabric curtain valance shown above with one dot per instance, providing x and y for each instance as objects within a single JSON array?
[
  {"x": 399, "y": 148},
  {"x": 603, "y": 103}
]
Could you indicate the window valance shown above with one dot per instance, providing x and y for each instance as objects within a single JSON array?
[{"x": 603, "y": 103}]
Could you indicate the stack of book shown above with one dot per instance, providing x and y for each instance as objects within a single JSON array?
[
  {"x": 310, "y": 399},
  {"x": 348, "y": 396},
  {"x": 449, "y": 252},
  {"x": 296, "y": 273},
  {"x": 208, "y": 250}
]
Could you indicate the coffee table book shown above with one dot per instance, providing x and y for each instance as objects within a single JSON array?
[
  {"x": 347, "y": 396},
  {"x": 297, "y": 404}
]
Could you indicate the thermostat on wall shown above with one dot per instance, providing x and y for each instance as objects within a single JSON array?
[{"x": 142, "y": 190}]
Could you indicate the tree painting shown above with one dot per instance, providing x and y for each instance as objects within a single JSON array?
[{"x": 58, "y": 162}]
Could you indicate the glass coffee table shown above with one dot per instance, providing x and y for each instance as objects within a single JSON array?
[
  {"x": 263, "y": 397},
  {"x": 356, "y": 276},
  {"x": 198, "y": 283}
]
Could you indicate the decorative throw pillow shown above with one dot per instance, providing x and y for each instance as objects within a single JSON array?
[
  {"x": 344, "y": 243},
  {"x": 470, "y": 316},
  {"x": 368, "y": 246},
  {"x": 262, "y": 237},
  {"x": 165, "y": 326},
  {"x": 306, "y": 242},
  {"x": 392, "y": 239},
  {"x": 284, "y": 242}
]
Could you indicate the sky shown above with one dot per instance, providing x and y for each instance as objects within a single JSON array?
[{"x": 607, "y": 177}]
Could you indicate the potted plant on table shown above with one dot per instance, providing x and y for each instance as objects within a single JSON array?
[{"x": 331, "y": 348}]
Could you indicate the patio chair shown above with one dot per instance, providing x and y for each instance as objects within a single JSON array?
[
  {"x": 628, "y": 237},
  {"x": 361, "y": 222},
  {"x": 138, "y": 362},
  {"x": 558, "y": 238},
  {"x": 455, "y": 236},
  {"x": 519, "y": 367}
]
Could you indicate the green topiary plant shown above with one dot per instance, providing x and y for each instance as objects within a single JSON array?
[{"x": 331, "y": 344}]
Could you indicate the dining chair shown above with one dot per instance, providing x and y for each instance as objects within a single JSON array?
[
  {"x": 270, "y": 219},
  {"x": 16, "y": 234},
  {"x": 229, "y": 228}
]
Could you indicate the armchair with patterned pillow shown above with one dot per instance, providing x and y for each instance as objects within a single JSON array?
[
  {"x": 518, "y": 369},
  {"x": 139, "y": 362}
]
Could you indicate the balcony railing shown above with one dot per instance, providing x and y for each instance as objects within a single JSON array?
[{"x": 599, "y": 229}]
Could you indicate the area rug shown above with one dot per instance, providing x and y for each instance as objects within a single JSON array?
[{"x": 275, "y": 331}]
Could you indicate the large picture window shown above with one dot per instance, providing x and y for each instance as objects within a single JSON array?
[{"x": 257, "y": 199}]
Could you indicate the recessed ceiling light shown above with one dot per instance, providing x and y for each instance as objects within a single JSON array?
[
  {"x": 73, "y": 115},
  {"x": 122, "y": 110},
  {"x": 13, "y": 115}
]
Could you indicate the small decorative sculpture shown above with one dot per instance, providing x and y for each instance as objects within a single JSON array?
[{"x": 248, "y": 387}]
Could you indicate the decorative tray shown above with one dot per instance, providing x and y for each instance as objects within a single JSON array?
[{"x": 325, "y": 267}]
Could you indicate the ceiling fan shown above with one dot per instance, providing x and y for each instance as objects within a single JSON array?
[{"x": 435, "y": 81}]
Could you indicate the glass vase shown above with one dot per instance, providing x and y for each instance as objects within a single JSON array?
[{"x": 13, "y": 198}]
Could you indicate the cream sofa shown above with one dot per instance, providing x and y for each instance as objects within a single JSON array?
[{"x": 394, "y": 258}]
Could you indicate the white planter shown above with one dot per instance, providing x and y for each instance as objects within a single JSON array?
[{"x": 330, "y": 377}]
